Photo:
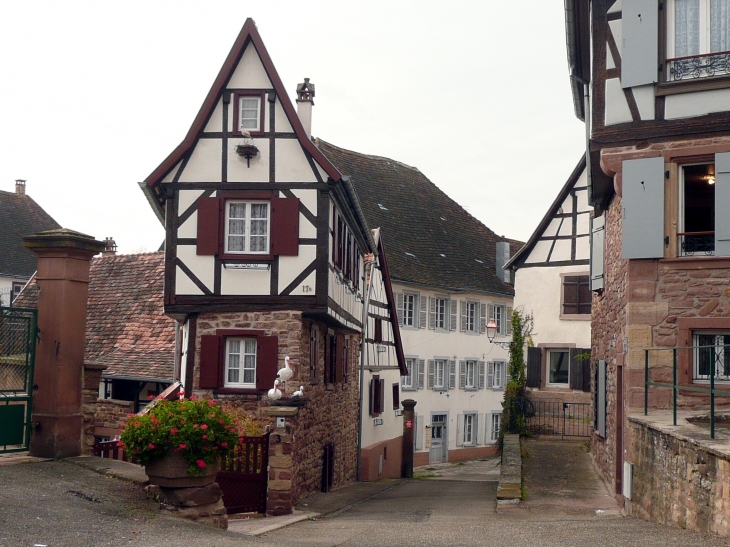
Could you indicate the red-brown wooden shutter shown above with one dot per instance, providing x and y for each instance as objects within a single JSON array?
[
  {"x": 208, "y": 226},
  {"x": 373, "y": 399},
  {"x": 285, "y": 226},
  {"x": 210, "y": 361},
  {"x": 381, "y": 396},
  {"x": 340, "y": 368},
  {"x": 267, "y": 361}
]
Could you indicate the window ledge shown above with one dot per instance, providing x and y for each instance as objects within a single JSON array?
[
  {"x": 238, "y": 391},
  {"x": 696, "y": 262},
  {"x": 575, "y": 317},
  {"x": 689, "y": 86}
]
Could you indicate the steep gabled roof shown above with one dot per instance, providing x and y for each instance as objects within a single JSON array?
[
  {"x": 432, "y": 240},
  {"x": 126, "y": 328},
  {"x": 520, "y": 256},
  {"x": 248, "y": 35},
  {"x": 20, "y": 216}
]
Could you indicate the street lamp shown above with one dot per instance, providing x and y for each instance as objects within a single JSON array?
[{"x": 492, "y": 332}]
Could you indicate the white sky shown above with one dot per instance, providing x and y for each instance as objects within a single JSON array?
[{"x": 94, "y": 95}]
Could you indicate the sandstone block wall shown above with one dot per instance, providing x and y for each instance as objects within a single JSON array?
[
  {"x": 678, "y": 482},
  {"x": 102, "y": 417}
]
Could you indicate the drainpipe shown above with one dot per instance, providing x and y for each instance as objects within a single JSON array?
[{"x": 363, "y": 357}]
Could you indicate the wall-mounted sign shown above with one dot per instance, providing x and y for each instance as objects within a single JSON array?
[
  {"x": 245, "y": 266},
  {"x": 378, "y": 421}
]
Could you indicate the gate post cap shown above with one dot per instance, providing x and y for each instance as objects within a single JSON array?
[
  {"x": 408, "y": 404},
  {"x": 63, "y": 238}
]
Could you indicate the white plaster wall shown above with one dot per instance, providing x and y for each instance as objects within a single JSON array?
[
  {"x": 291, "y": 266},
  {"x": 610, "y": 64},
  {"x": 202, "y": 266},
  {"x": 392, "y": 425},
  {"x": 541, "y": 250},
  {"x": 685, "y": 105},
  {"x": 307, "y": 287},
  {"x": 186, "y": 198},
  {"x": 171, "y": 174},
  {"x": 216, "y": 119},
  {"x": 183, "y": 284},
  {"x": 644, "y": 96},
  {"x": 561, "y": 250},
  {"x": 291, "y": 163},
  {"x": 248, "y": 282},
  {"x": 308, "y": 199},
  {"x": 282, "y": 122},
  {"x": 617, "y": 109},
  {"x": 552, "y": 228},
  {"x": 616, "y": 7},
  {"x": 205, "y": 162},
  {"x": 249, "y": 73},
  {"x": 427, "y": 344},
  {"x": 238, "y": 167},
  {"x": 538, "y": 291},
  {"x": 6, "y": 287}
]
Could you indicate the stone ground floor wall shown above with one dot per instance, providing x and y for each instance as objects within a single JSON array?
[
  {"x": 678, "y": 480},
  {"x": 562, "y": 395},
  {"x": 391, "y": 451},
  {"x": 102, "y": 417}
]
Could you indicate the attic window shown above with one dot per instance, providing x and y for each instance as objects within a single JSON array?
[{"x": 248, "y": 112}]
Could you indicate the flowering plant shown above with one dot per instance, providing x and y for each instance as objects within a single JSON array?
[{"x": 200, "y": 430}]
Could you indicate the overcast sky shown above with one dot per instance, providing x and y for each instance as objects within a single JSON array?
[{"x": 475, "y": 94}]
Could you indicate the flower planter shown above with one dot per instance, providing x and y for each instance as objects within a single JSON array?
[{"x": 171, "y": 471}]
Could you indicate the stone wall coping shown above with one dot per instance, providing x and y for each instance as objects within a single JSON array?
[
  {"x": 95, "y": 366},
  {"x": 281, "y": 410},
  {"x": 686, "y": 431},
  {"x": 510, "y": 476}
]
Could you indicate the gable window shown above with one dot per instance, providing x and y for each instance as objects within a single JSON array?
[
  {"x": 698, "y": 38},
  {"x": 247, "y": 227},
  {"x": 696, "y": 234},
  {"x": 576, "y": 295},
  {"x": 711, "y": 349},
  {"x": 559, "y": 369},
  {"x": 248, "y": 112},
  {"x": 240, "y": 362}
]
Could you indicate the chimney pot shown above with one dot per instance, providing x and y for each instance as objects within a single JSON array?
[
  {"x": 20, "y": 187},
  {"x": 305, "y": 102},
  {"x": 110, "y": 247}
]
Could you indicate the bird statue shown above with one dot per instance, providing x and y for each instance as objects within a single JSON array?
[
  {"x": 299, "y": 393},
  {"x": 285, "y": 373},
  {"x": 275, "y": 392}
]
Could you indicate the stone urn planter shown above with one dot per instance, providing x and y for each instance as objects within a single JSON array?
[{"x": 171, "y": 471}]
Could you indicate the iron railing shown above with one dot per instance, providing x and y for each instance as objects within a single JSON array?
[{"x": 699, "y": 66}]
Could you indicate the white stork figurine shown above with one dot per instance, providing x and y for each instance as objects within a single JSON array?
[
  {"x": 299, "y": 393},
  {"x": 275, "y": 392},
  {"x": 285, "y": 373}
]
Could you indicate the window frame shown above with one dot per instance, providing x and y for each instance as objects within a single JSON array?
[
  {"x": 444, "y": 323},
  {"x": 471, "y": 314},
  {"x": 242, "y": 363},
  {"x": 413, "y": 297},
  {"x": 410, "y": 377},
  {"x": 698, "y": 378},
  {"x": 548, "y": 365},
  {"x": 470, "y": 423},
  {"x": 238, "y": 95},
  {"x": 247, "y": 235},
  {"x": 587, "y": 283},
  {"x": 474, "y": 385},
  {"x": 681, "y": 210},
  {"x": 496, "y": 423},
  {"x": 443, "y": 385},
  {"x": 498, "y": 379}
]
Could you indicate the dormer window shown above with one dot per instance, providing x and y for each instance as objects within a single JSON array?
[
  {"x": 248, "y": 112},
  {"x": 247, "y": 227},
  {"x": 698, "y": 38}
]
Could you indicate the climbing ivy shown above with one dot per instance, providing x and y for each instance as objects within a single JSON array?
[{"x": 513, "y": 416}]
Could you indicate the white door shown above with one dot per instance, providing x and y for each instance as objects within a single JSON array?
[{"x": 439, "y": 440}]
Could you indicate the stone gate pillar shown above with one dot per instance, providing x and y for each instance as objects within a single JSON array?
[
  {"x": 63, "y": 283},
  {"x": 409, "y": 426}
]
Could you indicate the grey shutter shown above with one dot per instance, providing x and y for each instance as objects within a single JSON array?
[
  {"x": 505, "y": 376},
  {"x": 481, "y": 365},
  {"x": 431, "y": 373},
  {"x": 462, "y": 374},
  {"x": 490, "y": 312},
  {"x": 601, "y": 398},
  {"x": 478, "y": 421},
  {"x": 452, "y": 374},
  {"x": 400, "y": 299},
  {"x": 463, "y": 316},
  {"x": 534, "y": 367},
  {"x": 508, "y": 321},
  {"x": 431, "y": 313},
  {"x": 598, "y": 238},
  {"x": 639, "y": 50},
  {"x": 460, "y": 430},
  {"x": 483, "y": 318},
  {"x": 422, "y": 312},
  {"x": 418, "y": 425},
  {"x": 643, "y": 208},
  {"x": 722, "y": 204},
  {"x": 421, "y": 372},
  {"x": 403, "y": 380},
  {"x": 452, "y": 322},
  {"x": 586, "y": 366},
  {"x": 490, "y": 375},
  {"x": 575, "y": 370}
]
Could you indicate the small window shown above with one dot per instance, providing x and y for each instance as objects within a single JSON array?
[
  {"x": 249, "y": 114},
  {"x": 576, "y": 295},
  {"x": 471, "y": 375},
  {"x": 240, "y": 368},
  {"x": 559, "y": 372},
  {"x": 711, "y": 349},
  {"x": 441, "y": 313},
  {"x": 17, "y": 287},
  {"x": 470, "y": 317},
  {"x": 469, "y": 426},
  {"x": 247, "y": 227},
  {"x": 496, "y": 421},
  {"x": 409, "y": 379},
  {"x": 696, "y": 236},
  {"x": 498, "y": 378},
  {"x": 439, "y": 381},
  {"x": 409, "y": 309}
]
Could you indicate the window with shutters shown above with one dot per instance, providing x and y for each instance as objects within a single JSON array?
[
  {"x": 409, "y": 380},
  {"x": 470, "y": 380},
  {"x": 247, "y": 227},
  {"x": 377, "y": 395},
  {"x": 441, "y": 314},
  {"x": 498, "y": 377},
  {"x": 241, "y": 226},
  {"x": 470, "y": 317},
  {"x": 410, "y": 306},
  {"x": 558, "y": 366},
  {"x": 248, "y": 112},
  {"x": 500, "y": 316},
  {"x": 470, "y": 429},
  {"x": 345, "y": 250},
  {"x": 396, "y": 396},
  {"x": 496, "y": 421},
  {"x": 696, "y": 233},
  {"x": 576, "y": 301},
  {"x": 698, "y": 39},
  {"x": 439, "y": 379},
  {"x": 238, "y": 361}
]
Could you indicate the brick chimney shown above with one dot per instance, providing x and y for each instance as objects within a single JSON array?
[
  {"x": 20, "y": 187},
  {"x": 305, "y": 102},
  {"x": 110, "y": 247}
]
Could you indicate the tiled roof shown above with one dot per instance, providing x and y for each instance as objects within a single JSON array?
[
  {"x": 431, "y": 239},
  {"x": 20, "y": 216},
  {"x": 126, "y": 328}
]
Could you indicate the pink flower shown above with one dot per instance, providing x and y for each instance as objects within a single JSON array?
[
  {"x": 173, "y": 431},
  {"x": 183, "y": 446},
  {"x": 221, "y": 422},
  {"x": 201, "y": 464},
  {"x": 151, "y": 446},
  {"x": 131, "y": 415},
  {"x": 204, "y": 426},
  {"x": 224, "y": 444},
  {"x": 195, "y": 426},
  {"x": 205, "y": 436},
  {"x": 150, "y": 397},
  {"x": 211, "y": 402},
  {"x": 120, "y": 444}
]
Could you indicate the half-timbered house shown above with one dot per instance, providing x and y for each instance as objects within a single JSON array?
[
  {"x": 264, "y": 250},
  {"x": 551, "y": 280},
  {"x": 651, "y": 81}
]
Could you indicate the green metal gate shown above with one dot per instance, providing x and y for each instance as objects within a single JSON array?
[{"x": 18, "y": 330}]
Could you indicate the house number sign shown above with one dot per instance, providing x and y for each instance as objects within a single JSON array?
[{"x": 246, "y": 266}]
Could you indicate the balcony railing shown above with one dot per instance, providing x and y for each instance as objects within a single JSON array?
[
  {"x": 698, "y": 66},
  {"x": 696, "y": 243}
]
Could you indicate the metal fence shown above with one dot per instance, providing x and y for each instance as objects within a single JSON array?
[{"x": 559, "y": 418}]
